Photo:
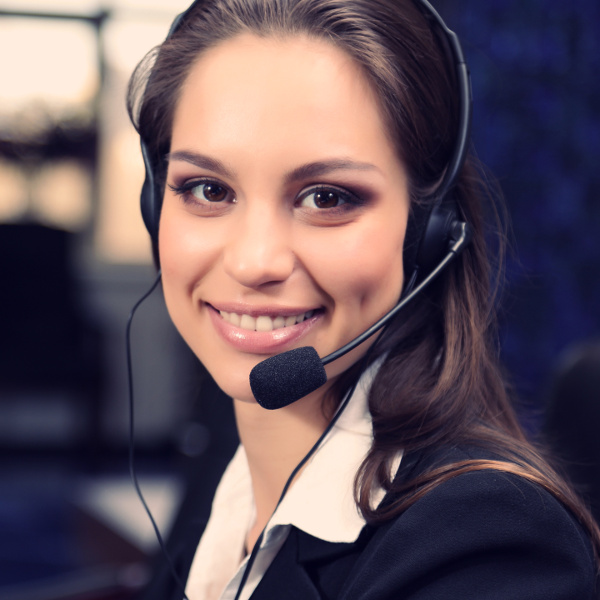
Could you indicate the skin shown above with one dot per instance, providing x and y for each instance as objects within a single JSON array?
[{"x": 260, "y": 124}]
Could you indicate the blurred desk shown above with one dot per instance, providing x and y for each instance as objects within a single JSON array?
[{"x": 82, "y": 540}]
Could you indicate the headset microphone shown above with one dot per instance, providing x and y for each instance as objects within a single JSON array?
[{"x": 284, "y": 378}]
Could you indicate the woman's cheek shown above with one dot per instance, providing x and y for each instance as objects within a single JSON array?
[
  {"x": 367, "y": 272},
  {"x": 185, "y": 249}
]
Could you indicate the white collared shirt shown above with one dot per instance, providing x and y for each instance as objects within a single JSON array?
[{"x": 320, "y": 503}]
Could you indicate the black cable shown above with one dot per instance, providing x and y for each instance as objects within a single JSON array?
[
  {"x": 132, "y": 471},
  {"x": 364, "y": 362},
  {"x": 299, "y": 466}
]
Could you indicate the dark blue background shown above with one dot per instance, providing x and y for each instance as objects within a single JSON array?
[{"x": 535, "y": 67}]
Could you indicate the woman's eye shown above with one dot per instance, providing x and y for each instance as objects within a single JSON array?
[
  {"x": 324, "y": 198},
  {"x": 203, "y": 191},
  {"x": 213, "y": 192}
]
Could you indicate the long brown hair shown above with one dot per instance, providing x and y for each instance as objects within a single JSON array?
[{"x": 440, "y": 383}]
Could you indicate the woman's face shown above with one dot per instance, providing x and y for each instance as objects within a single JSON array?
[{"x": 285, "y": 209}]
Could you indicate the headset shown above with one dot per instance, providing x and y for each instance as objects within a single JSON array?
[
  {"x": 435, "y": 235},
  {"x": 430, "y": 228}
]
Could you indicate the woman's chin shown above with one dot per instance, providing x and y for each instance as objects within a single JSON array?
[{"x": 237, "y": 388}]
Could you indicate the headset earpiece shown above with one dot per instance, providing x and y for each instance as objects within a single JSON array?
[
  {"x": 149, "y": 204},
  {"x": 436, "y": 236},
  {"x": 429, "y": 234}
]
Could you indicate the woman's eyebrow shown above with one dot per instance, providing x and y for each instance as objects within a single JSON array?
[
  {"x": 307, "y": 171},
  {"x": 324, "y": 167},
  {"x": 200, "y": 160}
]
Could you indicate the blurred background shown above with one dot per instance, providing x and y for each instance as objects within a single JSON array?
[{"x": 74, "y": 258}]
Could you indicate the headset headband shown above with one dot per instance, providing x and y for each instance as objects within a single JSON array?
[{"x": 427, "y": 230}]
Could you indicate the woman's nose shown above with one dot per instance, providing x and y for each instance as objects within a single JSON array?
[{"x": 259, "y": 251}]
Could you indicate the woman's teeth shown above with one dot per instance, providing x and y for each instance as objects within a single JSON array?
[{"x": 264, "y": 323}]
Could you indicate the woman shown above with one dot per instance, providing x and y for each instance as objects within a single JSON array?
[{"x": 294, "y": 149}]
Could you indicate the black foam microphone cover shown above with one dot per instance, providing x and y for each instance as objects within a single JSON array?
[{"x": 284, "y": 378}]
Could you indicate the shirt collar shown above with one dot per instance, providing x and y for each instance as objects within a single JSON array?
[{"x": 321, "y": 502}]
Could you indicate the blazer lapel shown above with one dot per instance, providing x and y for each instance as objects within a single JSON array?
[
  {"x": 312, "y": 549},
  {"x": 308, "y": 568},
  {"x": 286, "y": 577}
]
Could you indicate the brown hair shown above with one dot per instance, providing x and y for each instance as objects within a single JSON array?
[{"x": 440, "y": 383}]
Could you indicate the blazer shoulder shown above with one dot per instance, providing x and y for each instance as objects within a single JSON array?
[{"x": 483, "y": 534}]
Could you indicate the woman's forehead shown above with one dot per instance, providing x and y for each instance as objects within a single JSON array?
[{"x": 264, "y": 93}]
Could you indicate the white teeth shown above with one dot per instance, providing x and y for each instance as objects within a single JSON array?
[
  {"x": 264, "y": 323},
  {"x": 248, "y": 322}
]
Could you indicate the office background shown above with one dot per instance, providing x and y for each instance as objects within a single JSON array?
[{"x": 74, "y": 257}]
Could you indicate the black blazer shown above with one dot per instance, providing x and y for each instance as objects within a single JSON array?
[{"x": 486, "y": 535}]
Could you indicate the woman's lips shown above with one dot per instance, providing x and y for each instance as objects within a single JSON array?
[{"x": 262, "y": 334}]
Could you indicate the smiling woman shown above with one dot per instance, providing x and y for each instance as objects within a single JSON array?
[
  {"x": 305, "y": 172},
  {"x": 264, "y": 181}
]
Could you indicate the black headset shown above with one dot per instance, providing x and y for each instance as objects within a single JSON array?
[
  {"x": 431, "y": 236},
  {"x": 430, "y": 227}
]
